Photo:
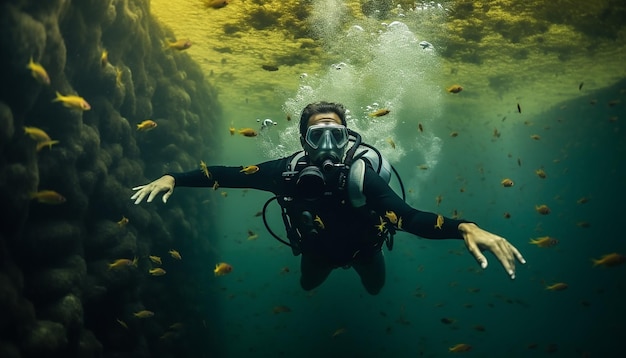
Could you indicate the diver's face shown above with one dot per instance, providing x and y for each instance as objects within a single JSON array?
[{"x": 331, "y": 118}]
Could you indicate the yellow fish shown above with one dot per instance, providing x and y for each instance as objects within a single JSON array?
[
  {"x": 175, "y": 254},
  {"x": 104, "y": 58},
  {"x": 391, "y": 143},
  {"x": 119, "y": 263},
  {"x": 319, "y": 222},
  {"x": 37, "y": 134},
  {"x": 155, "y": 259},
  {"x": 179, "y": 45},
  {"x": 248, "y": 132},
  {"x": 48, "y": 197},
  {"x": 205, "y": 169},
  {"x": 545, "y": 241},
  {"x": 232, "y": 130},
  {"x": 143, "y": 314},
  {"x": 393, "y": 218},
  {"x": 379, "y": 113},
  {"x": 123, "y": 221},
  {"x": 157, "y": 271},
  {"x": 146, "y": 125},
  {"x": 559, "y": 286},
  {"x": 461, "y": 347},
  {"x": 439, "y": 223},
  {"x": 46, "y": 143},
  {"x": 252, "y": 235},
  {"x": 250, "y": 169},
  {"x": 382, "y": 225},
  {"x": 38, "y": 72},
  {"x": 610, "y": 260},
  {"x": 222, "y": 269},
  {"x": 72, "y": 101}
]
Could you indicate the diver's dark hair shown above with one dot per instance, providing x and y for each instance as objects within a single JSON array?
[{"x": 321, "y": 107}]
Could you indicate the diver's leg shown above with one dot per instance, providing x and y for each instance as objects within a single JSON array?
[
  {"x": 313, "y": 272},
  {"x": 372, "y": 272}
]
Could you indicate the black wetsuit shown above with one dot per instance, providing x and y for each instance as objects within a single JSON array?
[{"x": 342, "y": 231}]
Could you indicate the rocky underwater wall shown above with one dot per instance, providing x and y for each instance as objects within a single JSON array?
[{"x": 78, "y": 260}]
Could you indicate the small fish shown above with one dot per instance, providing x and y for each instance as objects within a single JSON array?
[
  {"x": 104, "y": 58},
  {"x": 120, "y": 263},
  {"x": 250, "y": 169},
  {"x": 542, "y": 209},
  {"x": 439, "y": 223},
  {"x": 393, "y": 218},
  {"x": 507, "y": 215},
  {"x": 519, "y": 108},
  {"x": 379, "y": 113},
  {"x": 155, "y": 259},
  {"x": 541, "y": 173},
  {"x": 118, "y": 77},
  {"x": 535, "y": 137},
  {"x": 454, "y": 89},
  {"x": 438, "y": 199},
  {"x": 270, "y": 68},
  {"x": 544, "y": 241},
  {"x": 281, "y": 309},
  {"x": 216, "y": 185},
  {"x": 391, "y": 143},
  {"x": 205, "y": 169},
  {"x": 37, "y": 134},
  {"x": 338, "y": 332},
  {"x": 50, "y": 197},
  {"x": 461, "y": 347},
  {"x": 143, "y": 314},
  {"x": 122, "y": 323},
  {"x": 582, "y": 200},
  {"x": 72, "y": 101},
  {"x": 175, "y": 254},
  {"x": 519, "y": 162},
  {"x": 146, "y": 125},
  {"x": 454, "y": 134},
  {"x": 559, "y": 286},
  {"x": 252, "y": 235},
  {"x": 248, "y": 132},
  {"x": 47, "y": 143},
  {"x": 507, "y": 183},
  {"x": 222, "y": 269},
  {"x": 382, "y": 225},
  {"x": 216, "y": 4},
  {"x": 319, "y": 222},
  {"x": 420, "y": 127},
  {"x": 179, "y": 45},
  {"x": 176, "y": 325},
  {"x": 123, "y": 221},
  {"x": 157, "y": 271},
  {"x": 232, "y": 130},
  {"x": 610, "y": 260},
  {"x": 580, "y": 86},
  {"x": 38, "y": 72},
  {"x": 446, "y": 320}
]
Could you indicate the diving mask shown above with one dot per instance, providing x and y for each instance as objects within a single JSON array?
[{"x": 325, "y": 142}]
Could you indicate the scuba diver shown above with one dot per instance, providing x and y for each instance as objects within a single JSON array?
[{"x": 337, "y": 206}]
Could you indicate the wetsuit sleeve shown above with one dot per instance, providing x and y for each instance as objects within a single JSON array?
[
  {"x": 381, "y": 198},
  {"x": 268, "y": 177}
]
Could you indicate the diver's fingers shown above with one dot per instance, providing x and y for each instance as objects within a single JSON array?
[
  {"x": 153, "y": 194},
  {"x": 504, "y": 253},
  {"x": 139, "y": 195},
  {"x": 517, "y": 254},
  {"x": 167, "y": 195},
  {"x": 140, "y": 187},
  {"x": 475, "y": 251}
]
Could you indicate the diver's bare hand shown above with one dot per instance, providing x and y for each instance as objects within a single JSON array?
[
  {"x": 165, "y": 183},
  {"x": 477, "y": 240}
]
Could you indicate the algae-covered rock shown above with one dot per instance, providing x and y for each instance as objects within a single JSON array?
[
  {"x": 9, "y": 350},
  {"x": 52, "y": 283},
  {"x": 45, "y": 339},
  {"x": 50, "y": 241},
  {"x": 88, "y": 345},
  {"x": 67, "y": 310}
]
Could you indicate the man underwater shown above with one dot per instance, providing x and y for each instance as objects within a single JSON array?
[{"x": 338, "y": 208}]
